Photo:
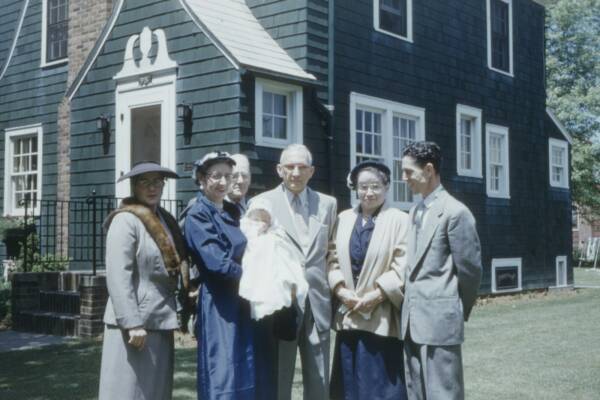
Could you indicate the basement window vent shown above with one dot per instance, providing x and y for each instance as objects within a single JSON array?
[{"x": 506, "y": 275}]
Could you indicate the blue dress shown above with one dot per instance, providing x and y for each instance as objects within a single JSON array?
[
  {"x": 365, "y": 365},
  {"x": 225, "y": 332}
]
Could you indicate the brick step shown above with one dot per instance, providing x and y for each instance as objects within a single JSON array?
[
  {"x": 50, "y": 323},
  {"x": 60, "y": 302}
]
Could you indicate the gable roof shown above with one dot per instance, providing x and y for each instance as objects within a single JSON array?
[
  {"x": 11, "y": 22},
  {"x": 237, "y": 29},
  {"x": 560, "y": 126},
  {"x": 232, "y": 28}
]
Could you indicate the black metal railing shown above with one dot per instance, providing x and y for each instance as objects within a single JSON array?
[{"x": 70, "y": 232}]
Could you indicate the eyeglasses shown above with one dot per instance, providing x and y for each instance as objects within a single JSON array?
[
  {"x": 375, "y": 188},
  {"x": 217, "y": 176},
  {"x": 301, "y": 167},
  {"x": 239, "y": 175},
  {"x": 148, "y": 183}
]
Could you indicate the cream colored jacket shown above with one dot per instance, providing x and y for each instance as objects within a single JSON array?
[{"x": 384, "y": 266}]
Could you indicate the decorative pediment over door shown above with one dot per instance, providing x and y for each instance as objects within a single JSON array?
[{"x": 145, "y": 112}]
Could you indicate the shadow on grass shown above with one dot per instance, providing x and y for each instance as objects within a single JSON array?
[{"x": 72, "y": 372}]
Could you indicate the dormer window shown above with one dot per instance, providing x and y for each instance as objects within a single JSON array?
[{"x": 55, "y": 31}]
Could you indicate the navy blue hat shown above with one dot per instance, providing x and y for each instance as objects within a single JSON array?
[
  {"x": 144, "y": 167},
  {"x": 353, "y": 175}
]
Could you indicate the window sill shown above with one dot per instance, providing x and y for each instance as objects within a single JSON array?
[
  {"x": 507, "y": 291},
  {"x": 54, "y": 63},
  {"x": 468, "y": 174},
  {"x": 498, "y": 196},
  {"x": 272, "y": 143},
  {"x": 507, "y": 73},
  {"x": 395, "y": 35}
]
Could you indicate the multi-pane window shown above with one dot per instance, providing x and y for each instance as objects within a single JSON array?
[
  {"x": 278, "y": 114},
  {"x": 404, "y": 133},
  {"x": 368, "y": 135},
  {"x": 500, "y": 35},
  {"x": 56, "y": 28},
  {"x": 468, "y": 141},
  {"x": 559, "y": 163},
  {"x": 497, "y": 161},
  {"x": 381, "y": 129},
  {"x": 23, "y": 169},
  {"x": 394, "y": 17},
  {"x": 274, "y": 115}
]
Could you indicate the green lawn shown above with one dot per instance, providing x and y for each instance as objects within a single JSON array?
[
  {"x": 587, "y": 276},
  {"x": 526, "y": 347}
]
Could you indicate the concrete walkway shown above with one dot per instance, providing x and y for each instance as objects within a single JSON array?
[{"x": 11, "y": 340}]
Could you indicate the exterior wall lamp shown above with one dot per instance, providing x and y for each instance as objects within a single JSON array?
[
  {"x": 103, "y": 125},
  {"x": 184, "y": 112}
]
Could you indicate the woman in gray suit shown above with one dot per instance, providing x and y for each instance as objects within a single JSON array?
[
  {"x": 366, "y": 269},
  {"x": 145, "y": 254}
]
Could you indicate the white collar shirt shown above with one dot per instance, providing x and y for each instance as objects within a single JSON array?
[{"x": 426, "y": 204}]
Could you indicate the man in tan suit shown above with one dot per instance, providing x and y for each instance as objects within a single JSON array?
[
  {"x": 442, "y": 280},
  {"x": 308, "y": 218}
]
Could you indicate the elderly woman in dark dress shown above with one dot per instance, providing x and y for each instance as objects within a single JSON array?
[
  {"x": 145, "y": 253},
  {"x": 366, "y": 273},
  {"x": 225, "y": 331}
]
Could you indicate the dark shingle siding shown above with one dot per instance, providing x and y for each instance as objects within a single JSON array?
[
  {"x": 30, "y": 94},
  {"x": 446, "y": 65}
]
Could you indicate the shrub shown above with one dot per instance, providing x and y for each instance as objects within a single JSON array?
[
  {"x": 37, "y": 262},
  {"x": 7, "y": 223},
  {"x": 4, "y": 300}
]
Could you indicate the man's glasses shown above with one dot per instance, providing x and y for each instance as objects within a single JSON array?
[{"x": 292, "y": 167}]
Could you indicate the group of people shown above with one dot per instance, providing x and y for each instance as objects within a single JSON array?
[{"x": 272, "y": 276}]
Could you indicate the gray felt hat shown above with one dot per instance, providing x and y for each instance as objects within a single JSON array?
[{"x": 148, "y": 166}]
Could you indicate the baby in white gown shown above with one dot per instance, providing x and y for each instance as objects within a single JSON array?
[{"x": 272, "y": 272}]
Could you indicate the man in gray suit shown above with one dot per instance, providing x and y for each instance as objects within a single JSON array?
[
  {"x": 308, "y": 218},
  {"x": 443, "y": 277}
]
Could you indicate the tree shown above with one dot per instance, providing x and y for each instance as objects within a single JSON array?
[{"x": 573, "y": 88}]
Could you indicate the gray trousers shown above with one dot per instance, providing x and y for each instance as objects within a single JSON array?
[
  {"x": 314, "y": 355},
  {"x": 433, "y": 372}
]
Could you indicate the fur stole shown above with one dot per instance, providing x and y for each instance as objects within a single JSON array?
[{"x": 173, "y": 252}]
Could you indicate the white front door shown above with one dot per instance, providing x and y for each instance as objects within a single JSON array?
[{"x": 145, "y": 130}]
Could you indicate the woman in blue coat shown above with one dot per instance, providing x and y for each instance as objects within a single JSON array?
[{"x": 226, "y": 359}]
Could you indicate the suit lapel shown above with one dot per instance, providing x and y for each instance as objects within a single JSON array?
[
  {"x": 374, "y": 244},
  {"x": 314, "y": 223},
  {"x": 433, "y": 220},
  {"x": 284, "y": 217},
  {"x": 345, "y": 227}
]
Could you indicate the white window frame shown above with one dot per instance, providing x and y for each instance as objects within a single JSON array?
[
  {"x": 409, "y": 21},
  {"x": 475, "y": 114},
  {"x": 388, "y": 109},
  {"x": 10, "y": 135},
  {"x": 510, "y": 72},
  {"x": 43, "y": 62},
  {"x": 507, "y": 262},
  {"x": 560, "y": 259},
  {"x": 295, "y": 118},
  {"x": 563, "y": 145},
  {"x": 503, "y": 193}
]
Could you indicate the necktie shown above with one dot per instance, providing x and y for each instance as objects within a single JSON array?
[
  {"x": 419, "y": 213},
  {"x": 301, "y": 219}
]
